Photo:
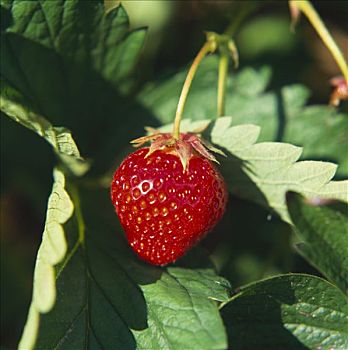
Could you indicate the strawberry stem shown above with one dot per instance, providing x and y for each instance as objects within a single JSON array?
[
  {"x": 313, "y": 17},
  {"x": 221, "y": 94},
  {"x": 227, "y": 48},
  {"x": 231, "y": 50},
  {"x": 208, "y": 47}
]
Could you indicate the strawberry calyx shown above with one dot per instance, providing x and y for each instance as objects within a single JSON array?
[{"x": 185, "y": 147}]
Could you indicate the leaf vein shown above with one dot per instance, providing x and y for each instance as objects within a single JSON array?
[{"x": 69, "y": 327}]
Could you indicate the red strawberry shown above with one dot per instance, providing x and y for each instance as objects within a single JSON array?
[{"x": 164, "y": 208}]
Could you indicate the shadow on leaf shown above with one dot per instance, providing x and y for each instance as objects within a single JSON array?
[
  {"x": 254, "y": 320},
  {"x": 72, "y": 94}
]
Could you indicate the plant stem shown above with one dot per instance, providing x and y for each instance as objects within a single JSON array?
[
  {"x": 221, "y": 94},
  {"x": 224, "y": 57},
  {"x": 206, "y": 48},
  {"x": 313, "y": 17}
]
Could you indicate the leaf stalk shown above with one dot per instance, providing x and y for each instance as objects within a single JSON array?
[{"x": 309, "y": 11}]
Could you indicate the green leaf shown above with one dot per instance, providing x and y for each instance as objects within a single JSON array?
[
  {"x": 71, "y": 62},
  {"x": 108, "y": 299},
  {"x": 56, "y": 69},
  {"x": 242, "y": 95},
  {"x": 280, "y": 112},
  {"x": 294, "y": 311},
  {"x": 182, "y": 312},
  {"x": 58, "y": 137},
  {"x": 311, "y": 126},
  {"x": 323, "y": 228},
  {"x": 263, "y": 172},
  {"x": 81, "y": 31},
  {"x": 246, "y": 99},
  {"x": 52, "y": 250}
]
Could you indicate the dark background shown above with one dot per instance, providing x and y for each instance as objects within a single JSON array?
[{"x": 175, "y": 35}]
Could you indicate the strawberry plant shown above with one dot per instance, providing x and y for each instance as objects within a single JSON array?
[{"x": 227, "y": 229}]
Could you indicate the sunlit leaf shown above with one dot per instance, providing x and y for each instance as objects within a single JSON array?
[
  {"x": 263, "y": 172},
  {"x": 52, "y": 251}
]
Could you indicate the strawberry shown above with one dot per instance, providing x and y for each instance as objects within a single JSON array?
[{"x": 168, "y": 196}]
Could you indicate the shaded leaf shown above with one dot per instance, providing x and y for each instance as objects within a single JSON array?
[
  {"x": 58, "y": 137},
  {"x": 71, "y": 62},
  {"x": 250, "y": 243},
  {"x": 82, "y": 32},
  {"x": 323, "y": 134},
  {"x": 324, "y": 231},
  {"x": 264, "y": 172},
  {"x": 294, "y": 311},
  {"x": 106, "y": 298}
]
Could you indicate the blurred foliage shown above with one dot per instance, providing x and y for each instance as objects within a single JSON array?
[{"x": 175, "y": 34}]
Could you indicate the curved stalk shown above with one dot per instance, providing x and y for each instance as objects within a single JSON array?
[
  {"x": 313, "y": 17},
  {"x": 206, "y": 48}
]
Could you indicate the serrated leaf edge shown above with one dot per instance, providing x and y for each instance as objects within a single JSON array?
[{"x": 322, "y": 187}]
